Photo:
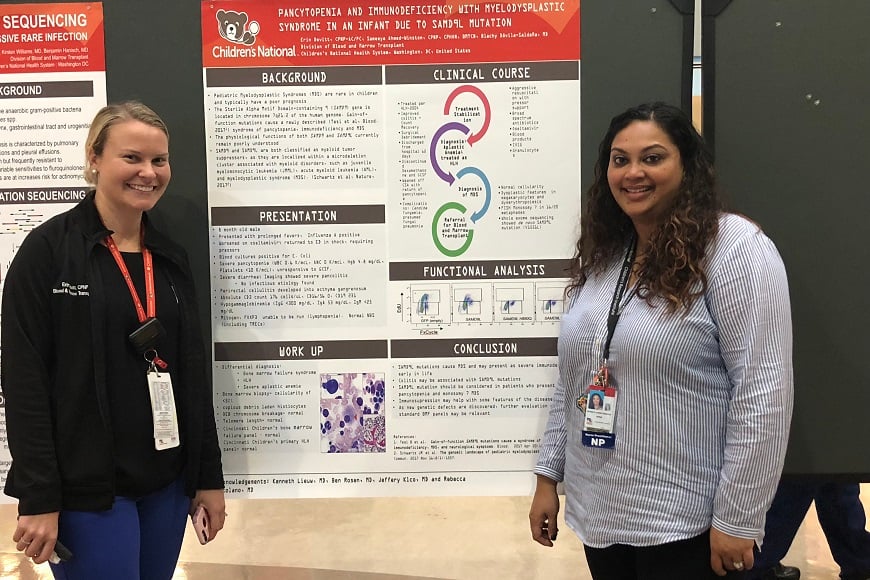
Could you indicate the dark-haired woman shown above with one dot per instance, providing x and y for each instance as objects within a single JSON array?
[{"x": 679, "y": 311}]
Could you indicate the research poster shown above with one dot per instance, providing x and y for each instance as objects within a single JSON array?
[
  {"x": 52, "y": 83},
  {"x": 394, "y": 200}
]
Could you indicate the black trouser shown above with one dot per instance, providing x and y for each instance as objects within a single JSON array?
[
  {"x": 841, "y": 514},
  {"x": 683, "y": 560}
]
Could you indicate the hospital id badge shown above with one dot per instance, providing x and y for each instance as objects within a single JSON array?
[
  {"x": 600, "y": 417},
  {"x": 163, "y": 411}
]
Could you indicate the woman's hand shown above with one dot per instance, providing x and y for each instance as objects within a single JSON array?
[
  {"x": 213, "y": 502},
  {"x": 545, "y": 508},
  {"x": 36, "y": 536},
  {"x": 730, "y": 553}
]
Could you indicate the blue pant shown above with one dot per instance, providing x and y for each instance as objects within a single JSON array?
[
  {"x": 138, "y": 539},
  {"x": 840, "y": 514}
]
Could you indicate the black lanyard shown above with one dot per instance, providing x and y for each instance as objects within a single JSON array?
[{"x": 621, "y": 287}]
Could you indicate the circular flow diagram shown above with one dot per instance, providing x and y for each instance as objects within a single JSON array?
[{"x": 446, "y": 176}]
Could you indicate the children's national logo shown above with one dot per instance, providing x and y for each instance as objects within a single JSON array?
[{"x": 234, "y": 26}]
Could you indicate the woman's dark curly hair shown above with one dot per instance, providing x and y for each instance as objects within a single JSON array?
[{"x": 673, "y": 264}]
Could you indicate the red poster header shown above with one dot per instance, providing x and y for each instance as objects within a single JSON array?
[
  {"x": 351, "y": 32},
  {"x": 41, "y": 38}
]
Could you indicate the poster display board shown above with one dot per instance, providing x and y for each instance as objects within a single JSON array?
[
  {"x": 394, "y": 198},
  {"x": 52, "y": 83}
]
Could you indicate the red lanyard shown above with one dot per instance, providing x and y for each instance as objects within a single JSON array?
[{"x": 149, "y": 281}]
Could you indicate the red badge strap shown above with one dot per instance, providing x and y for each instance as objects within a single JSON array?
[{"x": 150, "y": 300}]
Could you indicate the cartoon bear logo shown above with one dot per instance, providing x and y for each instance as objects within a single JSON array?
[{"x": 231, "y": 26}]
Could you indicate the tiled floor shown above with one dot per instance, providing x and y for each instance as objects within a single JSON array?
[{"x": 391, "y": 539}]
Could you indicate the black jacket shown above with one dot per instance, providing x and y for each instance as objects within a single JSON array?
[{"x": 54, "y": 369}]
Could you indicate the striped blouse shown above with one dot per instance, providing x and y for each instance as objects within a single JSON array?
[{"x": 703, "y": 409}]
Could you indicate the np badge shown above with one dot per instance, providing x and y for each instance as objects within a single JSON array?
[{"x": 599, "y": 440}]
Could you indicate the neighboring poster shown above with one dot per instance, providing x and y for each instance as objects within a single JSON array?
[
  {"x": 52, "y": 83},
  {"x": 394, "y": 198}
]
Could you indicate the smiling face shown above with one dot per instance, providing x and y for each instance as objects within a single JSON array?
[
  {"x": 644, "y": 174},
  {"x": 132, "y": 169},
  {"x": 596, "y": 401}
]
